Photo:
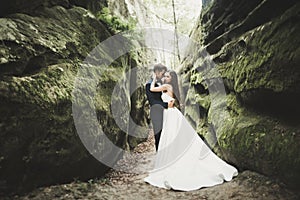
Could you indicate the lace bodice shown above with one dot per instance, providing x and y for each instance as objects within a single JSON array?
[{"x": 166, "y": 98}]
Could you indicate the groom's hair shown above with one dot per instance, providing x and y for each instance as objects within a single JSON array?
[{"x": 159, "y": 67}]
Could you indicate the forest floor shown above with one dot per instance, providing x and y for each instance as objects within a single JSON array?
[{"x": 121, "y": 185}]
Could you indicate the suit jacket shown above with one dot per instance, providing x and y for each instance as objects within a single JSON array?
[{"x": 154, "y": 97}]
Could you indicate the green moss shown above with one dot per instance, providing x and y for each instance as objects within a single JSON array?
[
  {"x": 256, "y": 67},
  {"x": 260, "y": 143},
  {"x": 109, "y": 79},
  {"x": 267, "y": 60},
  {"x": 115, "y": 23}
]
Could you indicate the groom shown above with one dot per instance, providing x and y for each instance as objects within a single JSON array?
[{"x": 157, "y": 106}]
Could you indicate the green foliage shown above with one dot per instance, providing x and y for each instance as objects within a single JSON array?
[{"x": 115, "y": 23}]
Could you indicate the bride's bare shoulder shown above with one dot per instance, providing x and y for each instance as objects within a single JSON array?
[
  {"x": 169, "y": 88},
  {"x": 168, "y": 85}
]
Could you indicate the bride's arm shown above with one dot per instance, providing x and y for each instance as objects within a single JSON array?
[{"x": 157, "y": 89}]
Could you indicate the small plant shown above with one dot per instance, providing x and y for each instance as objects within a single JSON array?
[{"x": 115, "y": 23}]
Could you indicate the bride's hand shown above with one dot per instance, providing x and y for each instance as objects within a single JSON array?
[{"x": 153, "y": 76}]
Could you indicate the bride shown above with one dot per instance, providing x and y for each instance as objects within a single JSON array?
[{"x": 183, "y": 161}]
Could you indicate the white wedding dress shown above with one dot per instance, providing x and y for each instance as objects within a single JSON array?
[{"x": 183, "y": 161}]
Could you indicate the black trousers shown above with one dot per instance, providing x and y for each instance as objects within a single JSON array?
[{"x": 156, "y": 115}]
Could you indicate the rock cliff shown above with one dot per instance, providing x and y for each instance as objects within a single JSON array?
[
  {"x": 254, "y": 48},
  {"x": 43, "y": 44}
]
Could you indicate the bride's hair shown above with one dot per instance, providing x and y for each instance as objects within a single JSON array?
[{"x": 174, "y": 83}]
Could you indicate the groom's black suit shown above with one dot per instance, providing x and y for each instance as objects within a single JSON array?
[{"x": 157, "y": 107}]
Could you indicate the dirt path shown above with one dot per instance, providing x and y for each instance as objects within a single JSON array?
[{"x": 120, "y": 185}]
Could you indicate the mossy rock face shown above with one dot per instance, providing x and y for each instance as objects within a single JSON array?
[
  {"x": 32, "y": 7},
  {"x": 40, "y": 145},
  {"x": 260, "y": 142},
  {"x": 40, "y": 56},
  {"x": 257, "y": 60}
]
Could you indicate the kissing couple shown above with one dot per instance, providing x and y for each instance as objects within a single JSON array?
[{"x": 183, "y": 161}]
